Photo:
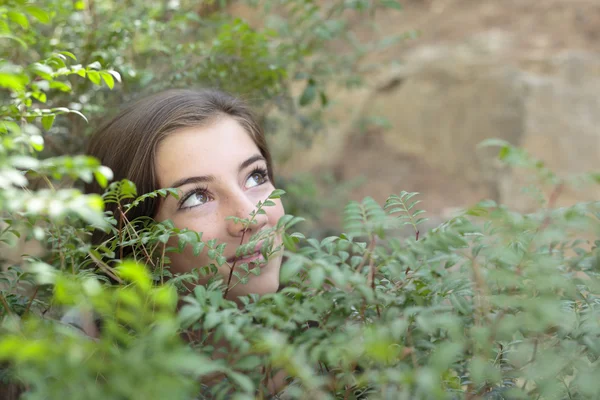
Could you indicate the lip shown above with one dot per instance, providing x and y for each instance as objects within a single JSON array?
[{"x": 248, "y": 258}]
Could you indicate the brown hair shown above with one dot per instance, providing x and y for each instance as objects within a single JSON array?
[{"x": 127, "y": 144}]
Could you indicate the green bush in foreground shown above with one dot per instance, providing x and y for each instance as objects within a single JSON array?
[{"x": 491, "y": 304}]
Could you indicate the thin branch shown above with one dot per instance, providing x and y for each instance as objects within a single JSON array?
[
  {"x": 128, "y": 226},
  {"x": 31, "y": 301},
  {"x": 5, "y": 304},
  {"x": 107, "y": 270},
  {"x": 233, "y": 266}
]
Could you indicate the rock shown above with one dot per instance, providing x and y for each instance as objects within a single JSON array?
[
  {"x": 453, "y": 98},
  {"x": 562, "y": 120},
  {"x": 445, "y": 100}
]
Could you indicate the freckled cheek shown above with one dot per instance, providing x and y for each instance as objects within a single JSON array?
[{"x": 207, "y": 223}]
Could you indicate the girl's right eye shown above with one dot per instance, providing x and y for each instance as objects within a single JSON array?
[{"x": 195, "y": 198}]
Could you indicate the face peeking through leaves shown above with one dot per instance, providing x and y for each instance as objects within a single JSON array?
[{"x": 221, "y": 176}]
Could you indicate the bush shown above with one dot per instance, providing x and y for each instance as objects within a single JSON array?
[{"x": 490, "y": 304}]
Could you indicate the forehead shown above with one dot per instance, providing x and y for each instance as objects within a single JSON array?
[{"x": 214, "y": 149}]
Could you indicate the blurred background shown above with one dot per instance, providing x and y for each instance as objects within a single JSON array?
[
  {"x": 527, "y": 71},
  {"x": 359, "y": 97}
]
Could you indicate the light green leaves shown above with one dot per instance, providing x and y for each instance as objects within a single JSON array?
[
  {"x": 403, "y": 206},
  {"x": 365, "y": 219}
]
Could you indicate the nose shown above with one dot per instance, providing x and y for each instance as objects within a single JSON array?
[{"x": 242, "y": 207}]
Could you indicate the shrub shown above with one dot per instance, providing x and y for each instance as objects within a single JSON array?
[{"x": 491, "y": 304}]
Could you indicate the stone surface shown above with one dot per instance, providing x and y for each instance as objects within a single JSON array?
[{"x": 444, "y": 101}]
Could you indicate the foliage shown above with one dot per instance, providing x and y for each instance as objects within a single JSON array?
[
  {"x": 491, "y": 304},
  {"x": 158, "y": 45}
]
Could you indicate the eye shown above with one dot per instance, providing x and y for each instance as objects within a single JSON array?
[
  {"x": 257, "y": 177},
  {"x": 195, "y": 198}
]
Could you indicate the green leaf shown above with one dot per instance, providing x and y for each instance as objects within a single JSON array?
[
  {"x": 47, "y": 121},
  {"x": 276, "y": 194},
  {"x": 291, "y": 268},
  {"x": 94, "y": 76},
  {"x": 101, "y": 179},
  {"x": 68, "y": 54},
  {"x": 504, "y": 153},
  {"x": 95, "y": 202},
  {"x": 18, "y": 18},
  {"x": 39, "y": 96},
  {"x": 244, "y": 382},
  {"x": 309, "y": 94},
  {"x": 14, "y": 82},
  {"x": 324, "y": 99},
  {"x": 135, "y": 273},
  {"x": 108, "y": 79},
  {"x": 38, "y": 14},
  {"x": 316, "y": 275},
  {"x": 288, "y": 242},
  {"x": 62, "y": 86},
  {"x": 37, "y": 142}
]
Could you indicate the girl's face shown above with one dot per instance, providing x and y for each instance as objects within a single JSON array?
[{"x": 219, "y": 172}]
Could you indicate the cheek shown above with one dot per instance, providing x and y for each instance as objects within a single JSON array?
[{"x": 207, "y": 225}]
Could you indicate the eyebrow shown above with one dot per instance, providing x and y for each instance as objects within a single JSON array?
[{"x": 211, "y": 178}]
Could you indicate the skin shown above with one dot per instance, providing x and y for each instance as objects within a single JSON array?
[{"x": 217, "y": 151}]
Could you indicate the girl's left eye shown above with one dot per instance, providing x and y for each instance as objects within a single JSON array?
[{"x": 257, "y": 178}]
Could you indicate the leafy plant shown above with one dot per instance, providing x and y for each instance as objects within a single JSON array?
[{"x": 490, "y": 304}]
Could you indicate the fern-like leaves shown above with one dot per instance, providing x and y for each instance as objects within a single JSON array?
[
  {"x": 365, "y": 219},
  {"x": 122, "y": 190},
  {"x": 156, "y": 193},
  {"x": 119, "y": 191},
  {"x": 403, "y": 205}
]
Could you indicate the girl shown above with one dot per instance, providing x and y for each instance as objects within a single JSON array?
[{"x": 208, "y": 145}]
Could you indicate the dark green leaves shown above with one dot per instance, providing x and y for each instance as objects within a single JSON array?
[{"x": 309, "y": 94}]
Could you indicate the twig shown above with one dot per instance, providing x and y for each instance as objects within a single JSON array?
[
  {"x": 105, "y": 268},
  {"x": 552, "y": 199},
  {"x": 372, "y": 278},
  {"x": 162, "y": 264},
  {"x": 120, "y": 228},
  {"x": 481, "y": 288},
  {"x": 233, "y": 266},
  {"x": 409, "y": 341},
  {"x": 128, "y": 225},
  {"x": 31, "y": 301},
  {"x": 370, "y": 249},
  {"x": 5, "y": 304},
  {"x": 247, "y": 224}
]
